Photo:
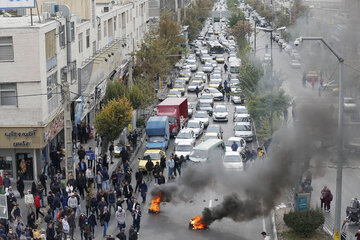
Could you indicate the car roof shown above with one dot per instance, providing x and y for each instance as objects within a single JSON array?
[
  {"x": 186, "y": 130},
  {"x": 243, "y": 123},
  {"x": 232, "y": 153},
  {"x": 197, "y": 121},
  {"x": 237, "y": 139},
  {"x": 211, "y": 134},
  {"x": 209, "y": 142}
]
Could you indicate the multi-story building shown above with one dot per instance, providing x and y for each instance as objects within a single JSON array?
[{"x": 83, "y": 42}]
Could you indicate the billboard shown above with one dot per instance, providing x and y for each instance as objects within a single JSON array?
[{"x": 17, "y": 4}]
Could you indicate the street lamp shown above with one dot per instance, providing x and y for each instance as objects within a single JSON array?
[{"x": 340, "y": 131}]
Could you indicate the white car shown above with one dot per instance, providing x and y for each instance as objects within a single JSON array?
[
  {"x": 218, "y": 96},
  {"x": 215, "y": 77},
  {"x": 203, "y": 117},
  {"x": 220, "y": 113},
  {"x": 234, "y": 83},
  {"x": 241, "y": 118},
  {"x": 185, "y": 136},
  {"x": 192, "y": 64},
  {"x": 236, "y": 99},
  {"x": 239, "y": 141},
  {"x": 267, "y": 58},
  {"x": 207, "y": 68},
  {"x": 244, "y": 130},
  {"x": 233, "y": 161},
  {"x": 349, "y": 104},
  {"x": 196, "y": 126},
  {"x": 240, "y": 110},
  {"x": 174, "y": 92},
  {"x": 190, "y": 110},
  {"x": 193, "y": 84},
  {"x": 207, "y": 98},
  {"x": 294, "y": 63},
  {"x": 184, "y": 149}
]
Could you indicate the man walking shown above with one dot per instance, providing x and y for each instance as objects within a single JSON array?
[
  {"x": 171, "y": 165},
  {"x": 149, "y": 168},
  {"x": 197, "y": 91},
  {"x": 120, "y": 216}
]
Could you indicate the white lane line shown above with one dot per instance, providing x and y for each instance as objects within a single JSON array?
[{"x": 210, "y": 203}]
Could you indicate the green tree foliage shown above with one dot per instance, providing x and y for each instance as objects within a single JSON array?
[
  {"x": 196, "y": 15},
  {"x": 241, "y": 29},
  {"x": 112, "y": 120},
  {"x": 235, "y": 17},
  {"x": 232, "y": 5},
  {"x": 304, "y": 223},
  {"x": 154, "y": 56}
]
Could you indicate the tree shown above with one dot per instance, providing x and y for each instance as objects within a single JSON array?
[
  {"x": 306, "y": 222},
  {"x": 241, "y": 29},
  {"x": 112, "y": 120},
  {"x": 235, "y": 17}
]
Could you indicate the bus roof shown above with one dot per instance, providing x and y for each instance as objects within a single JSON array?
[{"x": 205, "y": 145}]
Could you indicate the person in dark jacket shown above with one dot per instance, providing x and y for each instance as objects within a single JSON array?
[
  {"x": 132, "y": 234},
  {"x": 137, "y": 216},
  {"x": 138, "y": 178},
  {"x": 50, "y": 232},
  {"x": 31, "y": 220},
  {"x": 81, "y": 153},
  {"x": 20, "y": 186},
  {"x": 92, "y": 222},
  {"x": 149, "y": 168},
  {"x": 104, "y": 219},
  {"x": 82, "y": 220},
  {"x": 121, "y": 235},
  {"x": 156, "y": 172},
  {"x": 161, "y": 179},
  {"x": 162, "y": 163},
  {"x": 143, "y": 190},
  {"x": 197, "y": 90},
  {"x": 72, "y": 224},
  {"x": 111, "y": 200},
  {"x": 128, "y": 191},
  {"x": 81, "y": 184}
]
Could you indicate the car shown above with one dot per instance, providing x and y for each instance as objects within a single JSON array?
[
  {"x": 174, "y": 93},
  {"x": 207, "y": 97},
  {"x": 215, "y": 77},
  {"x": 196, "y": 126},
  {"x": 241, "y": 118},
  {"x": 215, "y": 128},
  {"x": 349, "y": 104},
  {"x": 214, "y": 83},
  {"x": 183, "y": 149},
  {"x": 267, "y": 58},
  {"x": 203, "y": 57},
  {"x": 190, "y": 110},
  {"x": 220, "y": 58},
  {"x": 239, "y": 141},
  {"x": 180, "y": 87},
  {"x": 192, "y": 64},
  {"x": 117, "y": 150},
  {"x": 232, "y": 161},
  {"x": 217, "y": 71},
  {"x": 295, "y": 54},
  {"x": 234, "y": 83},
  {"x": 236, "y": 99},
  {"x": 186, "y": 75},
  {"x": 207, "y": 68},
  {"x": 210, "y": 135},
  {"x": 150, "y": 154},
  {"x": 185, "y": 136},
  {"x": 218, "y": 96},
  {"x": 220, "y": 113},
  {"x": 243, "y": 130},
  {"x": 198, "y": 78},
  {"x": 294, "y": 63},
  {"x": 193, "y": 84},
  {"x": 232, "y": 55},
  {"x": 179, "y": 81},
  {"x": 205, "y": 106},
  {"x": 213, "y": 63},
  {"x": 203, "y": 117},
  {"x": 240, "y": 110}
]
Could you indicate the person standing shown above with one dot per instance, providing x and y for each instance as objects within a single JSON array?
[
  {"x": 177, "y": 166},
  {"x": 38, "y": 206},
  {"x": 161, "y": 178},
  {"x": 328, "y": 199},
  {"x": 20, "y": 186},
  {"x": 322, "y": 198},
  {"x": 143, "y": 190},
  {"x": 234, "y": 146},
  {"x": 162, "y": 163},
  {"x": 72, "y": 224},
  {"x": 127, "y": 190},
  {"x": 105, "y": 218},
  {"x": 225, "y": 67},
  {"x": 90, "y": 155},
  {"x": 265, "y": 236},
  {"x": 92, "y": 223},
  {"x": 111, "y": 150},
  {"x": 111, "y": 200},
  {"x": 149, "y": 168},
  {"x": 171, "y": 165},
  {"x": 156, "y": 172},
  {"x": 73, "y": 202},
  {"x": 120, "y": 216},
  {"x": 105, "y": 179},
  {"x": 50, "y": 231},
  {"x": 344, "y": 229},
  {"x": 197, "y": 90},
  {"x": 122, "y": 235},
  {"x": 65, "y": 226},
  {"x": 137, "y": 217},
  {"x": 208, "y": 77},
  {"x": 138, "y": 178}
]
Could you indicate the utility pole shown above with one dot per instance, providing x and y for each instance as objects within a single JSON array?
[
  {"x": 69, "y": 165},
  {"x": 255, "y": 37}
]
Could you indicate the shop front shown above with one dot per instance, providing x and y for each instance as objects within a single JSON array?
[{"x": 22, "y": 147}]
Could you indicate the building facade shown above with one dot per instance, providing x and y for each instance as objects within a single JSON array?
[{"x": 85, "y": 47}]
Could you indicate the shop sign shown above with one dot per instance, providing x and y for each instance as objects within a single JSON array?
[
  {"x": 54, "y": 127},
  {"x": 21, "y": 137}
]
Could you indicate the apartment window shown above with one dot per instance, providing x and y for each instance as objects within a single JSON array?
[
  {"x": 8, "y": 96},
  {"x": 80, "y": 42},
  {"x": 50, "y": 49},
  {"x": 6, "y": 49},
  {"x": 73, "y": 71},
  {"x": 51, "y": 85},
  {"x": 115, "y": 19},
  {"x": 110, "y": 28},
  {"x": 72, "y": 31},
  {"x": 123, "y": 21},
  {"x": 88, "y": 38},
  {"x": 127, "y": 16},
  {"x": 62, "y": 36},
  {"x": 105, "y": 29},
  {"x": 119, "y": 24}
]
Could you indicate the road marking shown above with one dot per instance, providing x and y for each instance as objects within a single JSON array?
[{"x": 210, "y": 203}]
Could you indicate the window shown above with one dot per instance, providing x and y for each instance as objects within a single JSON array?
[
  {"x": 80, "y": 42},
  {"x": 119, "y": 24},
  {"x": 8, "y": 96},
  {"x": 115, "y": 19},
  {"x": 94, "y": 47},
  {"x": 123, "y": 20},
  {"x": 6, "y": 49},
  {"x": 88, "y": 38},
  {"x": 73, "y": 71},
  {"x": 72, "y": 31},
  {"x": 127, "y": 16},
  {"x": 105, "y": 29},
  {"x": 50, "y": 44},
  {"x": 51, "y": 85},
  {"x": 62, "y": 36}
]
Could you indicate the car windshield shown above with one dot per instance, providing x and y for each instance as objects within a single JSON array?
[
  {"x": 210, "y": 137},
  {"x": 213, "y": 129},
  {"x": 173, "y": 91},
  {"x": 179, "y": 86},
  {"x": 232, "y": 158},
  {"x": 205, "y": 104},
  {"x": 194, "y": 83},
  {"x": 234, "y": 70},
  {"x": 201, "y": 115},
  {"x": 213, "y": 90},
  {"x": 229, "y": 143},
  {"x": 216, "y": 76},
  {"x": 242, "y": 128},
  {"x": 151, "y": 156},
  {"x": 183, "y": 148},
  {"x": 241, "y": 119},
  {"x": 215, "y": 81},
  {"x": 199, "y": 153},
  {"x": 193, "y": 125},
  {"x": 349, "y": 100},
  {"x": 206, "y": 96},
  {"x": 172, "y": 120},
  {"x": 220, "y": 109},
  {"x": 156, "y": 139},
  {"x": 234, "y": 82},
  {"x": 241, "y": 110},
  {"x": 184, "y": 135}
]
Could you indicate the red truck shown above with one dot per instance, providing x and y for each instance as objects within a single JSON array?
[{"x": 177, "y": 111}]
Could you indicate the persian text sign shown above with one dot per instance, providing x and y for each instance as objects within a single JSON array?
[{"x": 17, "y": 4}]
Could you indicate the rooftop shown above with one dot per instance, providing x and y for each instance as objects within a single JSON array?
[{"x": 21, "y": 22}]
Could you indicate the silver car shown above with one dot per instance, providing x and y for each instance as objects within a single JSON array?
[
  {"x": 193, "y": 84},
  {"x": 192, "y": 64},
  {"x": 220, "y": 113},
  {"x": 196, "y": 126},
  {"x": 183, "y": 149},
  {"x": 203, "y": 117},
  {"x": 207, "y": 68}
]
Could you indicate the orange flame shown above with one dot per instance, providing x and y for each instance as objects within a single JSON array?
[
  {"x": 197, "y": 223},
  {"x": 155, "y": 204}
]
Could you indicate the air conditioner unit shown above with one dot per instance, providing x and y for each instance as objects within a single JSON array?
[
  {"x": 106, "y": 9},
  {"x": 49, "y": 7},
  {"x": 46, "y": 16}
]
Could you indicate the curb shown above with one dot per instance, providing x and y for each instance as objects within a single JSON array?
[{"x": 273, "y": 223}]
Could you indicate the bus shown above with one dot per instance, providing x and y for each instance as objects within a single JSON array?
[{"x": 215, "y": 48}]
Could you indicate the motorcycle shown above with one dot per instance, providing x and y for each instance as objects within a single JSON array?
[{"x": 353, "y": 211}]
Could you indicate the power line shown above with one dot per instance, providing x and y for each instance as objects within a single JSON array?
[{"x": 353, "y": 68}]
